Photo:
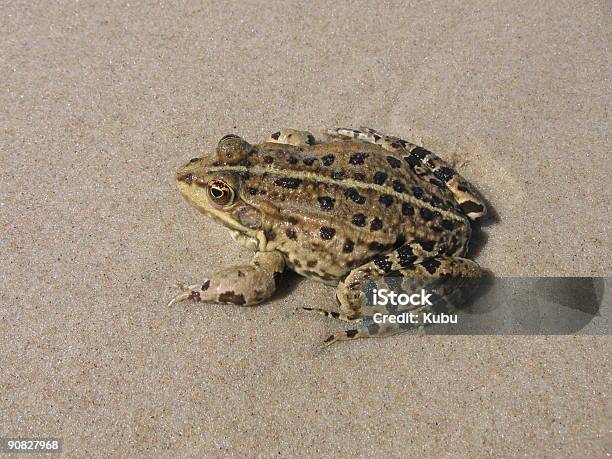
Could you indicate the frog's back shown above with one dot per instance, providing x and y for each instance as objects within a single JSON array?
[{"x": 331, "y": 206}]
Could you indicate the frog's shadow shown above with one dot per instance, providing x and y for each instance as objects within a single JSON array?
[{"x": 286, "y": 282}]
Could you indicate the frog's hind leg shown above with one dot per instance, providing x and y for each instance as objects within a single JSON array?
[
  {"x": 292, "y": 137},
  {"x": 424, "y": 163},
  {"x": 365, "y": 134},
  {"x": 371, "y": 330},
  {"x": 346, "y": 335},
  {"x": 410, "y": 260},
  {"x": 449, "y": 279}
]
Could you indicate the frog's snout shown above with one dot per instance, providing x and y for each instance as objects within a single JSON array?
[
  {"x": 185, "y": 176},
  {"x": 190, "y": 172}
]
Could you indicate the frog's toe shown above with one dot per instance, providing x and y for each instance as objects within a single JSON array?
[
  {"x": 371, "y": 330},
  {"x": 345, "y": 133},
  {"x": 192, "y": 292},
  {"x": 346, "y": 335},
  {"x": 180, "y": 297},
  {"x": 373, "y": 135}
]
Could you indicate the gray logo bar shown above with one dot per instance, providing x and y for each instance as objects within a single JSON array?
[{"x": 491, "y": 306}]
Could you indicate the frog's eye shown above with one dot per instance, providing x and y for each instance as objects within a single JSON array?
[{"x": 220, "y": 193}]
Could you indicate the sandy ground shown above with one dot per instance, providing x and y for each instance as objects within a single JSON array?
[{"x": 100, "y": 103}]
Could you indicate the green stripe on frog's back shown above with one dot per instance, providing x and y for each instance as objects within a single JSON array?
[{"x": 356, "y": 165}]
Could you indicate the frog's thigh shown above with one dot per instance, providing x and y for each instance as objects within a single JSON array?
[
  {"x": 424, "y": 163},
  {"x": 402, "y": 262},
  {"x": 292, "y": 137},
  {"x": 243, "y": 285},
  {"x": 396, "y": 264}
]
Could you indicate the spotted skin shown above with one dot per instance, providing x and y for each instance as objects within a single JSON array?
[
  {"x": 453, "y": 277},
  {"x": 428, "y": 164},
  {"x": 362, "y": 209}
]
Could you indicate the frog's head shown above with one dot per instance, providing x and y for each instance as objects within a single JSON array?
[{"x": 212, "y": 184}]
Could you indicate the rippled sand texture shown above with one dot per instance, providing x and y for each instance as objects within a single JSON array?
[{"x": 101, "y": 102}]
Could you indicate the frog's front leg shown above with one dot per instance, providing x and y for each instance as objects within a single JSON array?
[
  {"x": 244, "y": 285},
  {"x": 292, "y": 137},
  {"x": 449, "y": 277}
]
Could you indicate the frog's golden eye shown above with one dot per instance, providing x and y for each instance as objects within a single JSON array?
[{"x": 220, "y": 193}]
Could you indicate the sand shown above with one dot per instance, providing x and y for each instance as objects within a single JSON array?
[{"x": 101, "y": 102}]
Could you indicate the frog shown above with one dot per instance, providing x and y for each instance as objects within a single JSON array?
[{"x": 355, "y": 206}]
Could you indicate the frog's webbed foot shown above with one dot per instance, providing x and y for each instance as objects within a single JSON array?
[
  {"x": 424, "y": 163},
  {"x": 292, "y": 137},
  {"x": 372, "y": 330},
  {"x": 343, "y": 336},
  {"x": 244, "y": 285}
]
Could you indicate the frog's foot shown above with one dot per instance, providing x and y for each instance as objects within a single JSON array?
[
  {"x": 244, "y": 285},
  {"x": 345, "y": 335},
  {"x": 375, "y": 330},
  {"x": 292, "y": 137},
  {"x": 372, "y": 330},
  {"x": 425, "y": 163},
  {"x": 227, "y": 289},
  {"x": 363, "y": 134},
  {"x": 335, "y": 315},
  {"x": 191, "y": 292}
]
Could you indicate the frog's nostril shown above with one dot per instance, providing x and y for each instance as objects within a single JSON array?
[{"x": 187, "y": 178}]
